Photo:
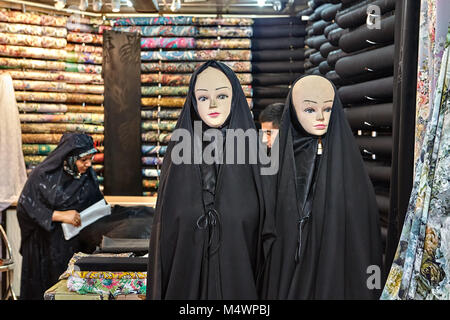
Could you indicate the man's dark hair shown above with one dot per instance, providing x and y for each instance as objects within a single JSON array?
[{"x": 272, "y": 113}]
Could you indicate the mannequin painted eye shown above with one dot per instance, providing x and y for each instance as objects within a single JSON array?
[
  {"x": 213, "y": 93},
  {"x": 311, "y": 97}
]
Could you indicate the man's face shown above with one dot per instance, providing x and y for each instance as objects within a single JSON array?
[{"x": 269, "y": 133}]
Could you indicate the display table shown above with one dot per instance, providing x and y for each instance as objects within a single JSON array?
[{"x": 60, "y": 292}]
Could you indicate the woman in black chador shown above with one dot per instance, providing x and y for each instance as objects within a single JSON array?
[
  {"x": 205, "y": 241},
  {"x": 56, "y": 191},
  {"x": 322, "y": 204}
]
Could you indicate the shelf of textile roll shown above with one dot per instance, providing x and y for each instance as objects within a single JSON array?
[
  {"x": 375, "y": 147},
  {"x": 352, "y": 15},
  {"x": 370, "y": 117}
]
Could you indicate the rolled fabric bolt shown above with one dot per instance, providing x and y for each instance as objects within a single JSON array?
[
  {"x": 98, "y": 167},
  {"x": 88, "y": 118},
  {"x": 232, "y": 32},
  {"x": 55, "y": 86},
  {"x": 84, "y": 57},
  {"x": 98, "y": 158},
  {"x": 84, "y": 37},
  {"x": 32, "y": 52},
  {"x": 32, "y": 41},
  {"x": 32, "y": 18},
  {"x": 60, "y": 128},
  {"x": 223, "y": 44},
  {"x": 164, "y": 91},
  {"x": 223, "y": 21},
  {"x": 168, "y": 43},
  {"x": 67, "y": 77},
  {"x": 152, "y": 160},
  {"x": 58, "y": 97},
  {"x": 52, "y": 138},
  {"x": 163, "y": 114},
  {"x": 150, "y": 184},
  {"x": 27, "y": 29},
  {"x": 151, "y": 173},
  {"x": 164, "y": 31},
  {"x": 33, "y": 159},
  {"x": 149, "y": 21},
  {"x": 153, "y": 136},
  {"x": 223, "y": 55},
  {"x": 161, "y": 125},
  {"x": 163, "y": 102},
  {"x": 86, "y": 48},
  {"x": 38, "y": 149},
  {"x": 152, "y": 149}
]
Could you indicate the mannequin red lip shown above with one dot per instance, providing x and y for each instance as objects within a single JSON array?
[
  {"x": 320, "y": 126},
  {"x": 214, "y": 114}
]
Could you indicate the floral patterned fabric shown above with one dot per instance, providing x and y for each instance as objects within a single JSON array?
[
  {"x": 33, "y": 30},
  {"x": 84, "y": 37},
  {"x": 57, "y": 108},
  {"x": 163, "y": 102},
  {"x": 88, "y": 118},
  {"x": 38, "y": 149},
  {"x": 168, "y": 55},
  {"x": 167, "y": 43},
  {"x": 32, "y": 41},
  {"x": 84, "y": 57},
  {"x": 223, "y": 55},
  {"x": 52, "y": 138},
  {"x": 164, "y": 91},
  {"x": 68, "y": 77},
  {"x": 143, "y": 21},
  {"x": 189, "y": 67},
  {"x": 153, "y": 136},
  {"x": 31, "y": 52},
  {"x": 155, "y": 125},
  {"x": 421, "y": 267},
  {"x": 60, "y": 128},
  {"x": 434, "y": 20},
  {"x": 59, "y": 97},
  {"x": 150, "y": 184},
  {"x": 166, "y": 79},
  {"x": 163, "y": 114},
  {"x": 151, "y": 173},
  {"x": 57, "y": 86},
  {"x": 223, "y": 43},
  {"x": 224, "y": 22},
  {"x": 32, "y": 18},
  {"x": 163, "y": 31},
  {"x": 152, "y": 149},
  {"x": 85, "y": 48},
  {"x": 231, "y": 32},
  {"x": 113, "y": 287}
]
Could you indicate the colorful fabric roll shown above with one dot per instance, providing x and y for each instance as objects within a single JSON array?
[
  {"x": 223, "y": 43},
  {"x": 189, "y": 67},
  {"x": 31, "y": 52},
  {"x": 58, "y": 97},
  {"x": 224, "y": 22},
  {"x": 244, "y": 78},
  {"x": 153, "y": 136},
  {"x": 78, "y": 27},
  {"x": 152, "y": 160},
  {"x": 31, "y": 64},
  {"x": 84, "y": 68},
  {"x": 223, "y": 55},
  {"x": 78, "y": 19},
  {"x": 167, "y": 43},
  {"x": 163, "y": 102},
  {"x": 248, "y": 91},
  {"x": 163, "y": 31},
  {"x": 57, "y": 86},
  {"x": 163, "y": 114},
  {"x": 155, "y": 125},
  {"x": 84, "y": 57},
  {"x": 151, "y": 173},
  {"x": 168, "y": 55},
  {"x": 84, "y": 37},
  {"x": 88, "y": 118},
  {"x": 32, "y": 41},
  {"x": 33, "y": 30},
  {"x": 38, "y": 149},
  {"x": 144, "y": 21},
  {"x": 33, "y": 159},
  {"x": 164, "y": 91},
  {"x": 32, "y": 18},
  {"x": 150, "y": 184},
  {"x": 166, "y": 79},
  {"x": 68, "y": 77},
  {"x": 57, "y": 108},
  {"x": 231, "y": 32},
  {"x": 149, "y": 194},
  {"x": 52, "y": 138},
  {"x": 60, "y": 128},
  {"x": 98, "y": 158},
  {"x": 86, "y": 48},
  {"x": 152, "y": 149},
  {"x": 98, "y": 168}
]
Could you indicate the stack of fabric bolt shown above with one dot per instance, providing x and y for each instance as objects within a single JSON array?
[
  {"x": 277, "y": 59},
  {"x": 84, "y": 53},
  {"x": 49, "y": 95},
  {"x": 364, "y": 69}
]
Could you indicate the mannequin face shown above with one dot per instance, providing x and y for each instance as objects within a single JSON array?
[
  {"x": 313, "y": 97},
  {"x": 213, "y": 93}
]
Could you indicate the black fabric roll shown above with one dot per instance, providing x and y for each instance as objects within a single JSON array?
[
  {"x": 316, "y": 42},
  {"x": 326, "y": 48},
  {"x": 313, "y": 4},
  {"x": 316, "y": 58},
  {"x": 318, "y": 11},
  {"x": 380, "y": 145},
  {"x": 378, "y": 172},
  {"x": 333, "y": 1},
  {"x": 277, "y": 67},
  {"x": 330, "y": 28},
  {"x": 356, "y": 15},
  {"x": 113, "y": 264},
  {"x": 370, "y": 116},
  {"x": 281, "y": 31},
  {"x": 280, "y": 43},
  {"x": 324, "y": 68},
  {"x": 278, "y": 55},
  {"x": 305, "y": 12},
  {"x": 372, "y": 61},
  {"x": 334, "y": 56},
  {"x": 319, "y": 26},
  {"x": 383, "y": 203},
  {"x": 268, "y": 79},
  {"x": 310, "y": 32},
  {"x": 308, "y": 65},
  {"x": 329, "y": 13},
  {"x": 309, "y": 52},
  {"x": 370, "y": 76},
  {"x": 363, "y": 37},
  {"x": 371, "y": 91},
  {"x": 334, "y": 77},
  {"x": 316, "y": 72},
  {"x": 264, "y": 102},
  {"x": 313, "y": 70},
  {"x": 277, "y": 21},
  {"x": 271, "y": 92},
  {"x": 335, "y": 35}
]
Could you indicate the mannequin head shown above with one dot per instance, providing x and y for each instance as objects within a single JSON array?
[
  {"x": 312, "y": 97},
  {"x": 213, "y": 94}
]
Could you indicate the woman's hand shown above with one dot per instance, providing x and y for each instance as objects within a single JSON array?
[{"x": 70, "y": 216}]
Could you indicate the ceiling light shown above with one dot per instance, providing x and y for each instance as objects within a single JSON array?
[
  {"x": 129, "y": 4},
  {"x": 115, "y": 4},
  {"x": 277, "y": 6},
  {"x": 83, "y": 5},
  {"x": 261, "y": 3},
  {"x": 60, "y": 4},
  {"x": 97, "y": 5},
  {"x": 176, "y": 5}
]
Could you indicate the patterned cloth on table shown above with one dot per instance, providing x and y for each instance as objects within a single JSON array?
[
  {"x": 434, "y": 21},
  {"x": 33, "y": 30},
  {"x": 421, "y": 266},
  {"x": 32, "y": 41},
  {"x": 167, "y": 43},
  {"x": 113, "y": 286}
]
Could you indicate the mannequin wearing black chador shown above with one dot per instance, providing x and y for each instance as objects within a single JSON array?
[
  {"x": 321, "y": 204},
  {"x": 205, "y": 241}
]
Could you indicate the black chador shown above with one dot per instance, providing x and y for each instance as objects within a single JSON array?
[{"x": 205, "y": 242}]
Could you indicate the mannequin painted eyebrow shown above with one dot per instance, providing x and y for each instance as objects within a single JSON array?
[
  {"x": 216, "y": 89},
  {"x": 316, "y": 101}
]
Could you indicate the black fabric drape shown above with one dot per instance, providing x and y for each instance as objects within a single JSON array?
[
  {"x": 207, "y": 253},
  {"x": 122, "y": 76},
  {"x": 403, "y": 124},
  {"x": 356, "y": 15},
  {"x": 379, "y": 90},
  {"x": 378, "y": 172},
  {"x": 369, "y": 62},
  {"x": 318, "y": 11},
  {"x": 364, "y": 37},
  {"x": 325, "y": 256},
  {"x": 279, "y": 43},
  {"x": 112, "y": 264},
  {"x": 45, "y": 252},
  {"x": 261, "y": 103},
  {"x": 278, "y": 55}
]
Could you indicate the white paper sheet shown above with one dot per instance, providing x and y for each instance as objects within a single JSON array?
[{"x": 88, "y": 216}]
